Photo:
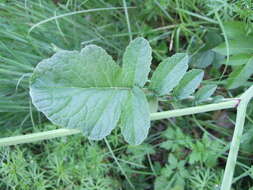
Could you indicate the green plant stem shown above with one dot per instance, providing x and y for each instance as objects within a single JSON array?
[
  {"x": 235, "y": 144},
  {"x": 230, "y": 103},
  {"x": 37, "y": 136},
  {"x": 73, "y": 13},
  {"x": 127, "y": 20},
  {"x": 118, "y": 164},
  {"x": 226, "y": 42}
]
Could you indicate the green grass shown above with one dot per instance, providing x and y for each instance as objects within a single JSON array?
[
  {"x": 70, "y": 163},
  {"x": 177, "y": 155}
]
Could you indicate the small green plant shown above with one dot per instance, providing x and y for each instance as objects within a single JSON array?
[
  {"x": 177, "y": 142},
  {"x": 86, "y": 165},
  {"x": 173, "y": 175},
  {"x": 88, "y": 91}
]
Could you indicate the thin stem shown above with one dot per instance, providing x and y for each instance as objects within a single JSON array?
[
  {"x": 127, "y": 20},
  {"x": 164, "y": 11},
  {"x": 151, "y": 165},
  {"x": 226, "y": 42},
  {"x": 73, "y": 13},
  {"x": 117, "y": 162},
  {"x": 230, "y": 103},
  {"x": 37, "y": 136},
  {"x": 234, "y": 148},
  {"x": 235, "y": 144}
]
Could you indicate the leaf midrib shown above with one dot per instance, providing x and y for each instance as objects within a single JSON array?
[{"x": 89, "y": 88}]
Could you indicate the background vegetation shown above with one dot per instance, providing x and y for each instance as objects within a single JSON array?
[{"x": 182, "y": 153}]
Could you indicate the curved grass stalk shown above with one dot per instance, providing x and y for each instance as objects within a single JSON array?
[
  {"x": 73, "y": 13},
  {"x": 128, "y": 21},
  {"x": 226, "y": 42}
]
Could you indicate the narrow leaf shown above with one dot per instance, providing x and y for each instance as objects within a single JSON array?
[
  {"x": 205, "y": 92},
  {"x": 202, "y": 59},
  {"x": 135, "y": 118},
  {"x": 236, "y": 60},
  {"x": 240, "y": 75},
  {"x": 244, "y": 46},
  {"x": 235, "y": 29},
  {"x": 212, "y": 39},
  {"x": 168, "y": 73},
  {"x": 136, "y": 63},
  {"x": 189, "y": 83}
]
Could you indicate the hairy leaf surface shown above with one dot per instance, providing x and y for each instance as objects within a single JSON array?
[
  {"x": 135, "y": 121},
  {"x": 189, "y": 83},
  {"x": 205, "y": 92},
  {"x": 83, "y": 91},
  {"x": 168, "y": 74},
  {"x": 136, "y": 63}
]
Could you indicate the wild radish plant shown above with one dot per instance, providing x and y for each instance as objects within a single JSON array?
[{"x": 88, "y": 92}]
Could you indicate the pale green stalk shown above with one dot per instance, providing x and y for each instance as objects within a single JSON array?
[
  {"x": 230, "y": 103},
  {"x": 197, "y": 109},
  {"x": 234, "y": 147},
  {"x": 128, "y": 21},
  {"x": 226, "y": 42},
  {"x": 37, "y": 136},
  {"x": 117, "y": 162}
]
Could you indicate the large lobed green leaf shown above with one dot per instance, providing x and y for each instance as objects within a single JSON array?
[
  {"x": 88, "y": 91},
  {"x": 85, "y": 91}
]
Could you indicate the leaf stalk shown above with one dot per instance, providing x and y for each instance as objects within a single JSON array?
[
  {"x": 237, "y": 136},
  {"x": 28, "y": 138}
]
